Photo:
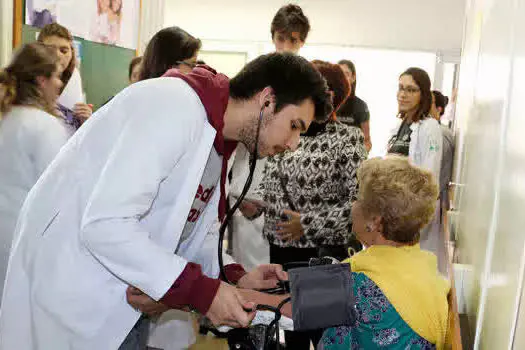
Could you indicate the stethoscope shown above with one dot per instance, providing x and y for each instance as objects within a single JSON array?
[
  {"x": 273, "y": 328},
  {"x": 253, "y": 161}
]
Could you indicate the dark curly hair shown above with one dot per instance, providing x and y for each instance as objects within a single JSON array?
[{"x": 292, "y": 78}]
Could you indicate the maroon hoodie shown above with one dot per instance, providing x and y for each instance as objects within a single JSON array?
[
  {"x": 193, "y": 287},
  {"x": 213, "y": 90}
]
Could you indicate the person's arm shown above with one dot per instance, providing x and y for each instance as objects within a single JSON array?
[
  {"x": 365, "y": 127},
  {"x": 363, "y": 118},
  {"x": 153, "y": 139},
  {"x": 431, "y": 144}
]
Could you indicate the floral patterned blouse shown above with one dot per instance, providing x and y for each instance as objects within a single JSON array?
[
  {"x": 378, "y": 326},
  {"x": 321, "y": 180}
]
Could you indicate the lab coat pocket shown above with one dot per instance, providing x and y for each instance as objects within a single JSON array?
[
  {"x": 70, "y": 286},
  {"x": 49, "y": 223}
]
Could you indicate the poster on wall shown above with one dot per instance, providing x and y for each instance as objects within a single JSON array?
[{"x": 112, "y": 22}]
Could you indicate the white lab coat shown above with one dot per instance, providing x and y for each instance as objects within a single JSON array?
[
  {"x": 425, "y": 145},
  {"x": 29, "y": 140},
  {"x": 425, "y": 150},
  {"x": 108, "y": 213},
  {"x": 250, "y": 248}
]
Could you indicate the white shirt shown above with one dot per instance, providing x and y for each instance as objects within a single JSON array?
[
  {"x": 29, "y": 140},
  {"x": 73, "y": 92}
]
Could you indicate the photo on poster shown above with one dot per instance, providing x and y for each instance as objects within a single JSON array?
[
  {"x": 115, "y": 22},
  {"x": 111, "y": 22}
]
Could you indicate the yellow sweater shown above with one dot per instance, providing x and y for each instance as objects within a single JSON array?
[{"x": 409, "y": 278}]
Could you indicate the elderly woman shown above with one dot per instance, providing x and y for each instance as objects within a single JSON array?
[{"x": 401, "y": 299}]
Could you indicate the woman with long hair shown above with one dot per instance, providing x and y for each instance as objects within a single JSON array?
[
  {"x": 308, "y": 193},
  {"x": 171, "y": 47},
  {"x": 418, "y": 136},
  {"x": 31, "y": 132},
  {"x": 354, "y": 111},
  {"x": 58, "y": 37}
]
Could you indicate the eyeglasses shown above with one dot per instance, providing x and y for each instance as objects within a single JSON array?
[
  {"x": 189, "y": 64},
  {"x": 409, "y": 90}
]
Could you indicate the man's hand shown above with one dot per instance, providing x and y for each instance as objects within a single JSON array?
[
  {"x": 291, "y": 229},
  {"x": 143, "y": 303},
  {"x": 228, "y": 308},
  {"x": 267, "y": 299},
  {"x": 263, "y": 277}
]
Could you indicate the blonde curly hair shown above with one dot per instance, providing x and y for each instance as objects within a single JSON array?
[{"x": 403, "y": 195}]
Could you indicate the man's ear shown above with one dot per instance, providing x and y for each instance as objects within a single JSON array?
[{"x": 266, "y": 97}]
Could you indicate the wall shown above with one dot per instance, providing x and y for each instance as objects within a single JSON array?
[
  {"x": 400, "y": 24},
  {"x": 151, "y": 21},
  {"x": 491, "y": 171},
  {"x": 6, "y": 31}
]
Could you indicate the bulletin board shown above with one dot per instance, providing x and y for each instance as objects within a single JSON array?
[{"x": 104, "y": 68}]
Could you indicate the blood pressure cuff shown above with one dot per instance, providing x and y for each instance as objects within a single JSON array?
[{"x": 322, "y": 297}]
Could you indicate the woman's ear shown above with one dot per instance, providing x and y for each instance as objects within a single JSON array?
[
  {"x": 377, "y": 224},
  {"x": 41, "y": 82}
]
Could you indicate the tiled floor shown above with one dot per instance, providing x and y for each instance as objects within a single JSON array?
[{"x": 208, "y": 343}]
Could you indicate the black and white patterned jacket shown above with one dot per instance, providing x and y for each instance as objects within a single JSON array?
[{"x": 321, "y": 180}]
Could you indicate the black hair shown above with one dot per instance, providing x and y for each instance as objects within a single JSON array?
[
  {"x": 292, "y": 78},
  {"x": 132, "y": 64},
  {"x": 290, "y": 18},
  {"x": 423, "y": 82},
  {"x": 351, "y": 66},
  {"x": 440, "y": 101},
  {"x": 165, "y": 49}
]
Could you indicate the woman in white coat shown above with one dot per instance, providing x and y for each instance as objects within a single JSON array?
[
  {"x": 171, "y": 47},
  {"x": 31, "y": 134},
  {"x": 71, "y": 102},
  {"x": 418, "y": 136}
]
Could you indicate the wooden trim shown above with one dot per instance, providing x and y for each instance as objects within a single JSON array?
[
  {"x": 454, "y": 341},
  {"x": 18, "y": 21},
  {"x": 137, "y": 50}
]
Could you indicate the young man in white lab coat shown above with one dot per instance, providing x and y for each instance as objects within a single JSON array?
[{"x": 121, "y": 221}]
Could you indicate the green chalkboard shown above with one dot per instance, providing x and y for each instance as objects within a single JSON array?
[{"x": 104, "y": 68}]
